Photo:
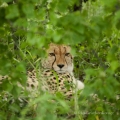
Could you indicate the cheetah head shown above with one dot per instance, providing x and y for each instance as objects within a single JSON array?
[{"x": 59, "y": 59}]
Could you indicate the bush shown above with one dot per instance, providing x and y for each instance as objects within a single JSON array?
[{"x": 93, "y": 33}]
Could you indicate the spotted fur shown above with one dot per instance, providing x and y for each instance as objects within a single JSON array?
[{"x": 56, "y": 74}]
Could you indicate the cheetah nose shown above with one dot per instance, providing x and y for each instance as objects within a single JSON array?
[{"x": 60, "y": 65}]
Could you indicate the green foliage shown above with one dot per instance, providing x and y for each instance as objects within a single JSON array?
[{"x": 26, "y": 27}]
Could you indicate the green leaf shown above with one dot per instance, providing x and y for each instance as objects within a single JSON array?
[
  {"x": 28, "y": 9},
  {"x": 114, "y": 65},
  {"x": 12, "y": 11},
  {"x": 6, "y": 0}
]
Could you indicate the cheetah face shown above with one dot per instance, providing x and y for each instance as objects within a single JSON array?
[{"x": 59, "y": 59}]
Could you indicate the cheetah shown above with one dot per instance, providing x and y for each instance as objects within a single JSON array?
[{"x": 56, "y": 73}]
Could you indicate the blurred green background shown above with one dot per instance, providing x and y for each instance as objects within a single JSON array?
[{"x": 90, "y": 27}]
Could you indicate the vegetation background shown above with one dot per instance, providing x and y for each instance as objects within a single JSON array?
[{"x": 91, "y": 27}]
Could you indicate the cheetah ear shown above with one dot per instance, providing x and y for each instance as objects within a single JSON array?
[
  {"x": 72, "y": 57},
  {"x": 67, "y": 47},
  {"x": 52, "y": 44}
]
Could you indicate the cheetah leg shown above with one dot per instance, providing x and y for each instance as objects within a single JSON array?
[{"x": 79, "y": 84}]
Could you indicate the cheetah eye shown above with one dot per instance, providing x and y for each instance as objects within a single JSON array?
[
  {"x": 51, "y": 54},
  {"x": 67, "y": 54}
]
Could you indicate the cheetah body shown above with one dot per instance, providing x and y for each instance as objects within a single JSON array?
[{"x": 57, "y": 74}]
